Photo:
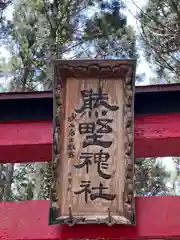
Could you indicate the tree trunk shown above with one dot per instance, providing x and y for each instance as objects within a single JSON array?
[
  {"x": 9, "y": 177},
  {"x": 39, "y": 180}
]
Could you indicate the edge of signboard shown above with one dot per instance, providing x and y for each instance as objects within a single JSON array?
[{"x": 119, "y": 68}]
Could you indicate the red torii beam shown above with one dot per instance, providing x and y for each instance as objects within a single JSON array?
[
  {"x": 23, "y": 141},
  {"x": 28, "y": 141}
]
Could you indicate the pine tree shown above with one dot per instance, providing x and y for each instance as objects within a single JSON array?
[
  {"x": 160, "y": 38},
  {"x": 42, "y": 30}
]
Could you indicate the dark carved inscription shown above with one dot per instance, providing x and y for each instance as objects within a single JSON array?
[
  {"x": 94, "y": 133},
  {"x": 99, "y": 193},
  {"x": 93, "y": 100},
  {"x": 71, "y": 145},
  {"x": 99, "y": 158}
]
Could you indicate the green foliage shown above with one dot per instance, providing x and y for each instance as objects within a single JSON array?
[
  {"x": 108, "y": 32},
  {"x": 157, "y": 176},
  {"x": 160, "y": 38},
  {"x": 41, "y": 30}
]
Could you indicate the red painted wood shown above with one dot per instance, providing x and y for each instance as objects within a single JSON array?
[
  {"x": 49, "y": 94},
  {"x": 155, "y": 135},
  {"x": 156, "y": 217},
  {"x": 26, "y": 141}
]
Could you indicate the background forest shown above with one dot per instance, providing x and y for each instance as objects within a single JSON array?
[{"x": 39, "y": 31}]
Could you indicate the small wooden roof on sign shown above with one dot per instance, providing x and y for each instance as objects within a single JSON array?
[{"x": 94, "y": 68}]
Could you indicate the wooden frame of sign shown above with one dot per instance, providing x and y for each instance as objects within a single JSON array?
[{"x": 93, "y": 142}]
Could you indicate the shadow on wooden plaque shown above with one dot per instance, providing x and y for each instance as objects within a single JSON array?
[{"x": 93, "y": 142}]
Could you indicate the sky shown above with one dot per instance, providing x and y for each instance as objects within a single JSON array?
[
  {"x": 131, "y": 11},
  {"x": 143, "y": 67}
]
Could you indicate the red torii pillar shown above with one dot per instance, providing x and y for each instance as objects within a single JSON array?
[{"x": 24, "y": 138}]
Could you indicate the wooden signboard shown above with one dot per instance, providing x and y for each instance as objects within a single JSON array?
[{"x": 93, "y": 159}]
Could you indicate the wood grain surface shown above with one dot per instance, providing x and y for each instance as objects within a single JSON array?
[
  {"x": 93, "y": 143},
  {"x": 116, "y": 163}
]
